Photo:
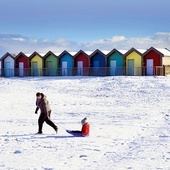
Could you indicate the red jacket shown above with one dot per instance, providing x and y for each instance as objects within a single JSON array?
[{"x": 85, "y": 129}]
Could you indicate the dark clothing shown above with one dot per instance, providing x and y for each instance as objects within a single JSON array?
[
  {"x": 44, "y": 118},
  {"x": 76, "y": 133},
  {"x": 43, "y": 105},
  {"x": 37, "y": 108}
]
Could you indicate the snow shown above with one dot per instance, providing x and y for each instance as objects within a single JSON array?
[
  {"x": 105, "y": 52},
  {"x": 123, "y": 51},
  {"x": 129, "y": 118},
  {"x": 164, "y": 51}
]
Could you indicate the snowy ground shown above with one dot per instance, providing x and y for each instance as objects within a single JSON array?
[{"x": 129, "y": 118}]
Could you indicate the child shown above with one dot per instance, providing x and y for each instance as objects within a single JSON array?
[{"x": 85, "y": 130}]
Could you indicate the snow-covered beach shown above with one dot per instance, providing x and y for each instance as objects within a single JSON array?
[{"x": 129, "y": 118}]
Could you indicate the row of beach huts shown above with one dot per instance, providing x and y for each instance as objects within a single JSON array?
[{"x": 133, "y": 62}]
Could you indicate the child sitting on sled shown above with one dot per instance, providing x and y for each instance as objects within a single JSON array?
[{"x": 85, "y": 130}]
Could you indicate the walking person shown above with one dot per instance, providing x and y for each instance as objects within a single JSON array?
[{"x": 43, "y": 104}]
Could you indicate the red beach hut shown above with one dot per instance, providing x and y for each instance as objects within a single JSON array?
[
  {"x": 81, "y": 63},
  {"x": 22, "y": 65},
  {"x": 152, "y": 61}
]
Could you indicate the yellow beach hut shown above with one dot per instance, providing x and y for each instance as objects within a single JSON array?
[
  {"x": 134, "y": 62},
  {"x": 36, "y": 64}
]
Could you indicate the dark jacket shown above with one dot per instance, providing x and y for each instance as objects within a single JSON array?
[{"x": 43, "y": 105}]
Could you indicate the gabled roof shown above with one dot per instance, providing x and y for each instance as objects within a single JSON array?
[
  {"x": 34, "y": 54},
  {"x": 167, "y": 49},
  {"x": 21, "y": 54},
  {"x": 8, "y": 54},
  {"x": 80, "y": 52},
  {"x": 113, "y": 51},
  {"x": 49, "y": 53},
  {"x": 152, "y": 49},
  {"x": 132, "y": 50},
  {"x": 97, "y": 51},
  {"x": 164, "y": 51},
  {"x": 63, "y": 53}
]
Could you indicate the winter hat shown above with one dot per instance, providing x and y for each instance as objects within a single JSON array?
[{"x": 84, "y": 121}]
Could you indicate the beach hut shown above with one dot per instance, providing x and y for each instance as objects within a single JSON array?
[
  {"x": 165, "y": 60},
  {"x": 115, "y": 62},
  {"x": 50, "y": 64},
  {"x": 98, "y": 63},
  {"x": 81, "y": 62},
  {"x": 65, "y": 63},
  {"x": 22, "y": 65},
  {"x": 36, "y": 64},
  {"x": 8, "y": 65},
  {"x": 166, "y": 56},
  {"x": 134, "y": 63},
  {"x": 152, "y": 61}
]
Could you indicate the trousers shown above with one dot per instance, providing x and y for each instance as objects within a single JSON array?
[{"x": 45, "y": 118}]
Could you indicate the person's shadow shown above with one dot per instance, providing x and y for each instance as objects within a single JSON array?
[{"x": 34, "y": 136}]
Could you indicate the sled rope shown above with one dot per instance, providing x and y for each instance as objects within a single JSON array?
[{"x": 61, "y": 126}]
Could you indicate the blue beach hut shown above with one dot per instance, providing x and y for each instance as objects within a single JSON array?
[
  {"x": 65, "y": 63},
  {"x": 8, "y": 64},
  {"x": 115, "y": 62},
  {"x": 98, "y": 63}
]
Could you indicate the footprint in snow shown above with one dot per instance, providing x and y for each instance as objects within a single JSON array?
[
  {"x": 83, "y": 156},
  {"x": 17, "y": 152}
]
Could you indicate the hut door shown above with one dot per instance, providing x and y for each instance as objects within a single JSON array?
[
  {"x": 35, "y": 68},
  {"x": 96, "y": 67},
  {"x": 64, "y": 68},
  {"x": 113, "y": 67},
  {"x": 149, "y": 65},
  {"x": 130, "y": 67},
  {"x": 49, "y": 68},
  {"x": 7, "y": 69},
  {"x": 21, "y": 69},
  {"x": 96, "y": 63},
  {"x": 80, "y": 68}
]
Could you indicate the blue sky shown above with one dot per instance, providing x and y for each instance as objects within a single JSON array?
[{"x": 57, "y": 25}]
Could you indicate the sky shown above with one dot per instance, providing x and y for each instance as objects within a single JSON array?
[{"x": 57, "y": 25}]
